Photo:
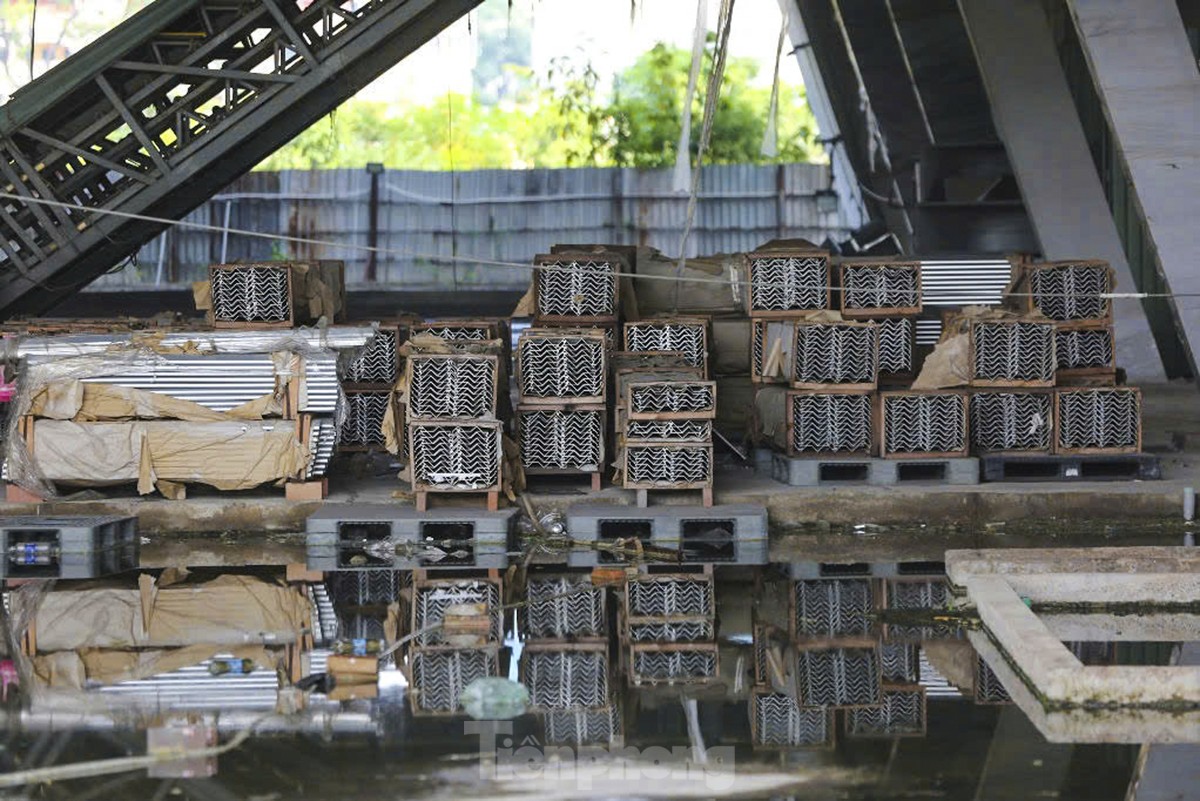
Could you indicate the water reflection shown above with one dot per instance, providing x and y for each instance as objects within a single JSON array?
[{"x": 802, "y": 679}]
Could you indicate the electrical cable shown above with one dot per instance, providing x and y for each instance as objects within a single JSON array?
[{"x": 508, "y": 265}]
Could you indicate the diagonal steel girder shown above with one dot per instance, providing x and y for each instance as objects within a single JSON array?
[{"x": 177, "y": 152}]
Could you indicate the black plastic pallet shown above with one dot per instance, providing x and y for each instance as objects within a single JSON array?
[{"x": 1071, "y": 467}]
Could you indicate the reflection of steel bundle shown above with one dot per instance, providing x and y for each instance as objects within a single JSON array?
[
  {"x": 561, "y": 607},
  {"x": 672, "y": 631},
  {"x": 432, "y": 598},
  {"x": 988, "y": 689},
  {"x": 582, "y": 726},
  {"x": 1004, "y": 351},
  {"x": 778, "y": 721},
  {"x": 832, "y": 607},
  {"x": 788, "y": 282},
  {"x": 901, "y": 713},
  {"x": 900, "y": 662},
  {"x": 566, "y": 679},
  {"x": 831, "y": 423},
  {"x": 920, "y": 594},
  {"x": 839, "y": 676},
  {"x": 440, "y": 676},
  {"x": 654, "y": 596},
  {"x": 455, "y": 456},
  {"x": 322, "y": 441},
  {"x": 1011, "y": 421},
  {"x": 562, "y": 438},
  {"x": 674, "y": 665}
]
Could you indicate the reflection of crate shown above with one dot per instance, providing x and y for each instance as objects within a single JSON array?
[
  {"x": 914, "y": 593},
  {"x": 687, "y": 335},
  {"x": 565, "y": 675},
  {"x": 564, "y": 607},
  {"x": 843, "y": 677},
  {"x": 574, "y": 287},
  {"x": 672, "y": 663},
  {"x": 988, "y": 689},
  {"x": 669, "y": 594},
  {"x": 831, "y": 607},
  {"x": 438, "y": 676},
  {"x": 916, "y": 424},
  {"x": 583, "y": 727},
  {"x": 1103, "y": 421},
  {"x": 432, "y": 598},
  {"x": 455, "y": 385},
  {"x": 787, "y": 281},
  {"x": 900, "y": 662},
  {"x": 1012, "y": 353},
  {"x": 830, "y": 423},
  {"x": 1012, "y": 422},
  {"x": 880, "y": 288},
  {"x": 777, "y": 721},
  {"x": 902, "y": 714}
]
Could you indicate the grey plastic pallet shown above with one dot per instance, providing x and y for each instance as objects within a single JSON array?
[
  {"x": 1070, "y": 467},
  {"x": 332, "y": 531},
  {"x": 732, "y": 534},
  {"x": 67, "y": 547},
  {"x": 840, "y": 471}
]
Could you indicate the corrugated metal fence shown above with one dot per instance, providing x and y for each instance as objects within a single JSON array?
[{"x": 500, "y": 215}]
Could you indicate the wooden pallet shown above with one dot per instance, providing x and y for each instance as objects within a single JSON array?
[{"x": 850, "y": 313}]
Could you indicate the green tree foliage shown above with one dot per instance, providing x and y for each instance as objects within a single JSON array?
[{"x": 563, "y": 119}]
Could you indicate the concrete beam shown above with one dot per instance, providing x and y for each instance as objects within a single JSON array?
[
  {"x": 1145, "y": 74},
  {"x": 1036, "y": 119},
  {"x": 961, "y": 564},
  {"x": 1059, "y": 677},
  {"x": 1122, "y": 628}
]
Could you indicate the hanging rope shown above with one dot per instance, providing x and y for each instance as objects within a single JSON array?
[{"x": 711, "y": 96}]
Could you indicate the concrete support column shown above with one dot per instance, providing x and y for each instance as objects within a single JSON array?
[
  {"x": 1145, "y": 74},
  {"x": 1036, "y": 119}
]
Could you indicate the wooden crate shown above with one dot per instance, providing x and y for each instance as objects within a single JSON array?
[
  {"x": 376, "y": 365},
  {"x": 785, "y": 281},
  {"x": 771, "y": 343},
  {"x": 563, "y": 295},
  {"x": 838, "y": 342},
  {"x": 1085, "y": 341},
  {"x": 879, "y": 288},
  {"x": 652, "y": 400},
  {"x": 232, "y": 308},
  {"x": 1039, "y": 282},
  {"x": 1125, "y": 436},
  {"x": 463, "y": 396},
  {"x": 434, "y": 447},
  {"x": 1026, "y": 427},
  {"x": 661, "y": 334},
  {"x": 562, "y": 351},
  {"x": 1033, "y": 343},
  {"x": 952, "y": 408},
  {"x": 841, "y": 404},
  {"x": 559, "y": 450}
]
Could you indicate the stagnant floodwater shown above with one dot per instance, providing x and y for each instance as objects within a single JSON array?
[{"x": 945, "y": 728}]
